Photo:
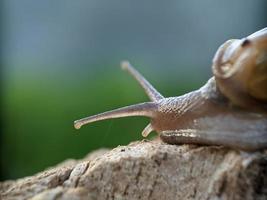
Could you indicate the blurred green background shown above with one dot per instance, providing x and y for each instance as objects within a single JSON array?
[{"x": 60, "y": 62}]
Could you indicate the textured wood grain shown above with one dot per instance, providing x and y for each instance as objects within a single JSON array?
[{"x": 149, "y": 170}]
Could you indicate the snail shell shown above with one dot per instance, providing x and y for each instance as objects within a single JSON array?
[{"x": 240, "y": 70}]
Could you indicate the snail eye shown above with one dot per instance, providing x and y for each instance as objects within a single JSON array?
[{"x": 245, "y": 42}]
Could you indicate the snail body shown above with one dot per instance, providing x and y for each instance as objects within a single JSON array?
[{"x": 229, "y": 110}]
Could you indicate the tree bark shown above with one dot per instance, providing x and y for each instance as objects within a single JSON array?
[{"x": 149, "y": 170}]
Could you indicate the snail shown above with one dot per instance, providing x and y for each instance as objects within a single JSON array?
[{"x": 229, "y": 110}]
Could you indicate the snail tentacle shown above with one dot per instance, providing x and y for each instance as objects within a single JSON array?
[{"x": 152, "y": 93}]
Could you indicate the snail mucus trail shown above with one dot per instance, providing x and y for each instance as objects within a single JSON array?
[{"x": 229, "y": 110}]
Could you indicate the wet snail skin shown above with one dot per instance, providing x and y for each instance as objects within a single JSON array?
[{"x": 229, "y": 110}]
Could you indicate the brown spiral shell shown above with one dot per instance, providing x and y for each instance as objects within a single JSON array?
[{"x": 240, "y": 70}]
